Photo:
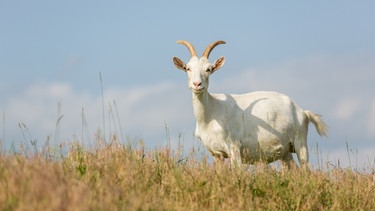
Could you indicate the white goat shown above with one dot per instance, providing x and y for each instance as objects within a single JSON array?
[{"x": 259, "y": 126}]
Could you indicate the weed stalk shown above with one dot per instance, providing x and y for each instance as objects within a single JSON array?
[{"x": 101, "y": 88}]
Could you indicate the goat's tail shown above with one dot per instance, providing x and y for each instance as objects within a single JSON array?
[{"x": 320, "y": 126}]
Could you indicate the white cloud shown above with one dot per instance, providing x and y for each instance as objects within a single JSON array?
[
  {"x": 142, "y": 111},
  {"x": 347, "y": 108},
  {"x": 37, "y": 107}
]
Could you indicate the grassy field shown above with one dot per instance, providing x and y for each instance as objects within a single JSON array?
[{"x": 116, "y": 177}]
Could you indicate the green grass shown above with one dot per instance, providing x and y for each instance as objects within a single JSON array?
[{"x": 117, "y": 177}]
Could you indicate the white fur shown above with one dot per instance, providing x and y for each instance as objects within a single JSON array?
[{"x": 247, "y": 128}]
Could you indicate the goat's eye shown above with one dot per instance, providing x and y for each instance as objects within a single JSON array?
[
  {"x": 208, "y": 69},
  {"x": 187, "y": 69}
]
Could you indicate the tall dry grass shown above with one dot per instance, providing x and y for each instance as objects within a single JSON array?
[{"x": 119, "y": 178}]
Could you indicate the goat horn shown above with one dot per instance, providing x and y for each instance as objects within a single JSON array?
[
  {"x": 189, "y": 46},
  {"x": 210, "y": 47}
]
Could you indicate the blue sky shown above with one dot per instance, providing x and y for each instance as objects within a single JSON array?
[{"x": 321, "y": 53}]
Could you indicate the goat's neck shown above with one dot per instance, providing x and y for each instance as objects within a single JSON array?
[{"x": 201, "y": 104}]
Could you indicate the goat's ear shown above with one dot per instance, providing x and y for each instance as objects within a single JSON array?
[
  {"x": 217, "y": 64},
  {"x": 179, "y": 63}
]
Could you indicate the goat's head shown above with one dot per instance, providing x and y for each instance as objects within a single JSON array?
[{"x": 199, "y": 69}]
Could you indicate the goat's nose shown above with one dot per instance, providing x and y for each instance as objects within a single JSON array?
[{"x": 197, "y": 84}]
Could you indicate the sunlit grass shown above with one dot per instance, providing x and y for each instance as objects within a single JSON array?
[{"x": 118, "y": 177}]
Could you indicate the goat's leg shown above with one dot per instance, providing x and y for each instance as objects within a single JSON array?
[
  {"x": 235, "y": 156},
  {"x": 300, "y": 145},
  {"x": 289, "y": 161}
]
